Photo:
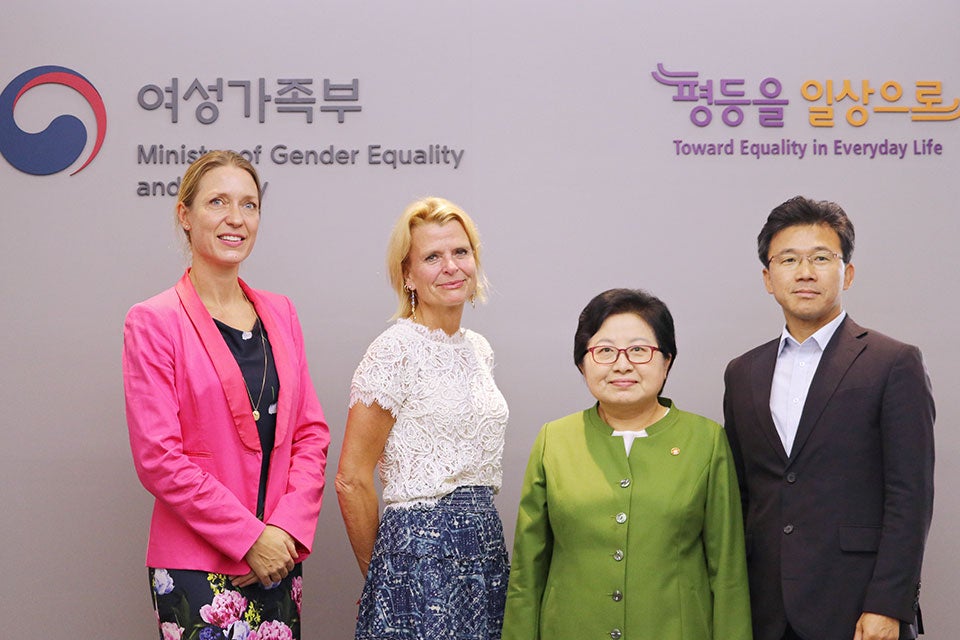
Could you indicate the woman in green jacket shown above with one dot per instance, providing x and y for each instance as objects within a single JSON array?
[{"x": 629, "y": 525}]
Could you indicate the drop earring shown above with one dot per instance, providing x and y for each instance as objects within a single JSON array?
[
  {"x": 413, "y": 302},
  {"x": 473, "y": 301}
]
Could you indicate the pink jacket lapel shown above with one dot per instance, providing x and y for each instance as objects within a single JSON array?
[
  {"x": 282, "y": 358},
  {"x": 223, "y": 361}
]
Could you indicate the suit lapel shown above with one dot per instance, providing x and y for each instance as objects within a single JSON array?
[
  {"x": 281, "y": 359},
  {"x": 761, "y": 382},
  {"x": 225, "y": 364},
  {"x": 840, "y": 353}
]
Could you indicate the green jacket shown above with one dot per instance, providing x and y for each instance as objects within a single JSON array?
[{"x": 648, "y": 547}]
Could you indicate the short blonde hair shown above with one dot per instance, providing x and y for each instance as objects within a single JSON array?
[{"x": 424, "y": 211}]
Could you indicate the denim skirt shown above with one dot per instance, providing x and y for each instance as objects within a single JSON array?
[{"x": 437, "y": 572}]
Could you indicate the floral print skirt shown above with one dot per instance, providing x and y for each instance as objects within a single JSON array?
[
  {"x": 437, "y": 572},
  {"x": 197, "y": 605}
]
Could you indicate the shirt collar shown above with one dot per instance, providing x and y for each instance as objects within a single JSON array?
[{"x": 821, "y": 336}]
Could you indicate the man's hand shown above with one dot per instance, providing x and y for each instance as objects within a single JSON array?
[{"x": 873, "y": 626}]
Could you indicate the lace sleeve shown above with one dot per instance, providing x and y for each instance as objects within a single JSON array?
[
  {"x": 380, "y": 376},
  {"x": 483, "y": 349}
]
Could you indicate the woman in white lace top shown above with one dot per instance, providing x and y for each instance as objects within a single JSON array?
[{"x": 424, "y": 408}]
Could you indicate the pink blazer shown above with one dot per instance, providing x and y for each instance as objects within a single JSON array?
[{"x": 194, "y": 440}]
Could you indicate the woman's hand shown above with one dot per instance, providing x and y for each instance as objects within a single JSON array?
[{"x": 271, "y": 558}]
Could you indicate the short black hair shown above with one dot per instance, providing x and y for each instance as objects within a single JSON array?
[
  {"x": 804, "y": 211},
  {"x": 614, "y": 301}
]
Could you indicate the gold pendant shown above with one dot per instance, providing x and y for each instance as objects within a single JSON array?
[{"x": 256, "y": 415}]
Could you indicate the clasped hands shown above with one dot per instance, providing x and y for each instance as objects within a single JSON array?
[{"x": 271, "y": 558}]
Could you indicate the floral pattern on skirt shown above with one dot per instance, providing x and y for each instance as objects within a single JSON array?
[
  {"x": 197, "y": 605},
  {"x": 437, "y": 572}
]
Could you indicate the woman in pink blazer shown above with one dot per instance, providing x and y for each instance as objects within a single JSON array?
[{"x": 225, "y": 426}]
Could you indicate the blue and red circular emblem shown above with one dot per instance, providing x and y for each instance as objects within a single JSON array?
[{"x": 61, "y": 143}]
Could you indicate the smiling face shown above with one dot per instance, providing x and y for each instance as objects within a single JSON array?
[
  {"x": 441, "y": 269},
  {"x": 624, "y": 387},
  {"x": 810, "y": 297},
  {"x": 222, "y": 219}
]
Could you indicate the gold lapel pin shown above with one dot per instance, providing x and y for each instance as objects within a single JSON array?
[{"x": 675, "y": 451}]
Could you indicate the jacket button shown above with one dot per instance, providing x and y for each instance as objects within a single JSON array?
[
  {"x": 625, "y": 483},
  {"x": 617, "y": 595},
  {"x": 621, "y": 517},
  {"x": 615, "y": 634},
  {"x": 791, "y": 477},
  {"x": 618, "y": 555},
  {"x": 788, "y": 529}
]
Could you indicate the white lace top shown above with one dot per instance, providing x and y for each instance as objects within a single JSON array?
[{"x": 450, "y": 415}]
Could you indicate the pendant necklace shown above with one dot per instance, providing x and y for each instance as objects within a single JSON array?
[{"x": 263, "y": 383}]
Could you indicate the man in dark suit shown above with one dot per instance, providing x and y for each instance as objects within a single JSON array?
[{"x": 831, "y": 428}]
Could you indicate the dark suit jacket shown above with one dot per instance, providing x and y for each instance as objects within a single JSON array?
[{"x": 839, "y": 527}]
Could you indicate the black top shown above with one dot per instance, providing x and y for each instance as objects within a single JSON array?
[{"x": 248, "y": 348}]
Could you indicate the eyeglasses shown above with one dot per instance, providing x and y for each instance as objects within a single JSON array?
[
  {"x": 819, "y": 260},
  {"x": 637, "y": 353}
]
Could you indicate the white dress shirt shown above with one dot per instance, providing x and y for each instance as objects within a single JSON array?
[{"x": 796, "y": 365}]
